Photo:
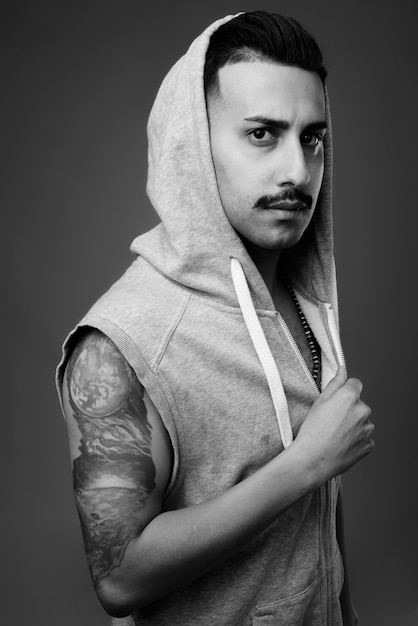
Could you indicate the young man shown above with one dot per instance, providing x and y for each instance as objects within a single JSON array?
[{"x": 208, "y": 409}]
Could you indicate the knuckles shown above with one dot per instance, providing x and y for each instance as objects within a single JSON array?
[
  {"x": 365, "y": 411},
  {"x": 370, "y": 446},
  {"x": 355, "y": 385}
]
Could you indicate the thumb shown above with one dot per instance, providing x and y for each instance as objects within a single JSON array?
[{"x": 335, "y": 383}]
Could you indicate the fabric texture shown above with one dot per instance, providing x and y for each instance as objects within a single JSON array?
[{"x": 175, "y": 317}]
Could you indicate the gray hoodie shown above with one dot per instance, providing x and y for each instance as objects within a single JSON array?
[{"x": 194, "y": 319}]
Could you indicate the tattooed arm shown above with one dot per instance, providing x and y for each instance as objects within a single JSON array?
[
  {"x": 120, "y": 452},
  {"x": 121, "y": 464}
]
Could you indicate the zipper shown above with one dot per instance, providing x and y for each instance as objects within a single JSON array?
[
  {"x": 297, "y": 351},
  {"x": 324, "y": 490},
  {"x": 332, "y": 326}
]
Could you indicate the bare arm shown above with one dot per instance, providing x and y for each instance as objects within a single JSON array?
[
  {"x": 121, "y": 463},
  {"x": 115, "y": 434}
]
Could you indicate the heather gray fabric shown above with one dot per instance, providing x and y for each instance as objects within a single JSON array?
[{"x": 174, "y": 316}]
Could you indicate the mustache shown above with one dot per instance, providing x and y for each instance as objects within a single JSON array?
[{"x": 288, "y": 195}]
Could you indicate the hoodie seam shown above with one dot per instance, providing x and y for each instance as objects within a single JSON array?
[
  {"x": 169, "y": 333},
  {"x": 231, "y": 310}
]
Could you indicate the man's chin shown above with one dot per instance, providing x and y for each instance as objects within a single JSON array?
[
  {"x": 273, "y": 240},
  {"x": 283, "y": 242}
]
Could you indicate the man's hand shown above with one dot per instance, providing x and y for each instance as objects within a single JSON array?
[{"x": 337, "y": 431}]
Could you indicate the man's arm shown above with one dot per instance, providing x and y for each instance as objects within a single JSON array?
[
  {"x": 115, "y": 434},
  {"x": 121, "y": 464}
]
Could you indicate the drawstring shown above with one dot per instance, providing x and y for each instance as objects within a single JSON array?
[{"x": 263, "y": 352}]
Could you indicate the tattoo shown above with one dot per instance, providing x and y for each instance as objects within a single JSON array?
[{"x": 114, "y": 473}]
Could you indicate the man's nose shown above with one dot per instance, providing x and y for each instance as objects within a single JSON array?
[{"x": 292, "y": 169}]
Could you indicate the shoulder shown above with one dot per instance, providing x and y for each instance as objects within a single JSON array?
[
  {"x": 98, "y": 377},
  {"x": 142, "y": 305},
  {"x": 102, "y": 396},
  {"x": 141, "y": 290}
]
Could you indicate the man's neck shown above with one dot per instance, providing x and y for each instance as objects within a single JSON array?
[{"x": 266, "y": 262}]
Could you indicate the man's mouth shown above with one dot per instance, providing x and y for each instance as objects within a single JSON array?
[
  {"x": 287, "y": 206},
  {"x": 290, "y": 200}
]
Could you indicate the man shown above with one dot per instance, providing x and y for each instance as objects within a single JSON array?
[{"x": 208, "y": 408}]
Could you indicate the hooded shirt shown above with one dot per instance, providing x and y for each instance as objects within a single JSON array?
[{"x": 194, "y": 319}]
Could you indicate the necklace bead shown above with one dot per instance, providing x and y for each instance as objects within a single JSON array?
[{"x": 314, "y": 347}]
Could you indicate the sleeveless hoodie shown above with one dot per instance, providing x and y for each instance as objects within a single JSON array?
[{"x": 194, "y": 319}]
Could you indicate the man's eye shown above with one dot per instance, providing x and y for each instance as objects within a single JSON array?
[
  {"x": 261, "y": 136},
  {"x": 311, "y": 139}
]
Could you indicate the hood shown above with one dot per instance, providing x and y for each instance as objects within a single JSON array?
[{"x": 194, "y": 243}]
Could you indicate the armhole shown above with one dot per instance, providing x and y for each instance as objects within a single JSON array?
[{"x": 146, "y": 378}]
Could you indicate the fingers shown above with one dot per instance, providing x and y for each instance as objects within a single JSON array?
[
  {"x": 366, "y": 411},
  {"x": 335, "y": 383},
  {"x": 370, "y": 445},
  {"x": 370, "y": 433},
  {"x": 356, "y": 385}
]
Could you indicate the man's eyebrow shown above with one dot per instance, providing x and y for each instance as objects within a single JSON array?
[
  {"x": 317, "y": 126},
  {"x": 268, "y": 121},
  {"x": 283, "y": 124}
]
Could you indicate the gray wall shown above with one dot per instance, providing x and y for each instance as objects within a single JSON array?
[{"x": 80, "y": 79}]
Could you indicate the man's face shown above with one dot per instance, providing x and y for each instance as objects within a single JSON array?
[{"x": 266, "y": 130}]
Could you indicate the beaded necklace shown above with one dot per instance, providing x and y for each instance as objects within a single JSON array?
[{"x": 312, "y": 342}]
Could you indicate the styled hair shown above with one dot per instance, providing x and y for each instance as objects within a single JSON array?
[{"x": 261, "y": 36}]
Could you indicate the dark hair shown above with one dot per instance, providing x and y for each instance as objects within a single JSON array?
[{"x": 263, "y": 36}]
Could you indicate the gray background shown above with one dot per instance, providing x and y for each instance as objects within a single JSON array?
[{"x": 79, "y": 81}]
